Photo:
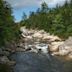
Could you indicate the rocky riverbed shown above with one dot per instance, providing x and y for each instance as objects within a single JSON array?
[
  {"x": 38, "y": 51},
  {"x": 39, "y": 40}
]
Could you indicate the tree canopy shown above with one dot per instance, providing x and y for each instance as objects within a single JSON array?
[
  {"x": 7, "y": 24},
  {"x": 57, "y": 20}
]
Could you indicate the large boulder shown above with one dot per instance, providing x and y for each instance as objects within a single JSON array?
[
  {"x": 37, "y": 35},
  {"x": 66, "y": 48},
  {"x": 51, "y": 38},
  {"x": 54, "y": 46},
  {"x": 24, "y": 31}
]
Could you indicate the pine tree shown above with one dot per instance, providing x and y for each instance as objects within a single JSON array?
[{"x": 7, "y": 27}]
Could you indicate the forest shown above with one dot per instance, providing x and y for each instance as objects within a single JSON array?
[
  {"x": 9, "y": 30},
  {"x": 57, "y": 21}
]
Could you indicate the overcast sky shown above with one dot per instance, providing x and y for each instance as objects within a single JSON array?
[{"x": 20, "y": 6}]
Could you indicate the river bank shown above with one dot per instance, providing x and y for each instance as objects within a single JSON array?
[{"x": 37, "y": 46}]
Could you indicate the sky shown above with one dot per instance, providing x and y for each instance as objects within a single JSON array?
[{"x": 20, "y": 6}]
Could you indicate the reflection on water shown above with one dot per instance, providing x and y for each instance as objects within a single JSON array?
[
  {"x": 32, "y": 62},
  {"x": 66, "y": 63}
]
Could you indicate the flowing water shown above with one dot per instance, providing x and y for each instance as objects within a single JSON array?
[{"x": 32, "y": 62}]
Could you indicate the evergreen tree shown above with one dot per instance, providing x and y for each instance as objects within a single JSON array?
[
  {"x": 57, "y": 20},
  {"x": 7, "y": 25},
  {"x": 44, "y": 7}
]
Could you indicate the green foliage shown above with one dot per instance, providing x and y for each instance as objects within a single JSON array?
[
  {"x": 57, "y": 20},
  {"x": 58, "y": 27},
  {"x": 7, "y": 25}
]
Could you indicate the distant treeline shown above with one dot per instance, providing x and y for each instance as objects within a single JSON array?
[{"x": 57, "y": 21}]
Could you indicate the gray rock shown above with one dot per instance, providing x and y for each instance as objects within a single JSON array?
[
  {"x": 1, "y": 52},
  {"x": 6, "y": 53},
  {"x": 11, "y": 63},
  {"x": 4, "y": 59},
  {"x": 20, "y": 50},
  {"x": 70, "y": 55},
  {"x": 66, "y": 48}
]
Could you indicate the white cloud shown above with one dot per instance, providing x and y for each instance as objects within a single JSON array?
[
  {"x": 24, "y": 3},
  {"x": 53, "y": 3},
  {"x": 28, "y": 3}
]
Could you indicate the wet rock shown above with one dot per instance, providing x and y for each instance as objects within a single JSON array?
[
  {"x": 42, "y": 47},
  {"x": 20, "y": 50}
]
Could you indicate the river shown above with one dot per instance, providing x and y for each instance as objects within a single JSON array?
[{"x": 33, "y": 62}]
